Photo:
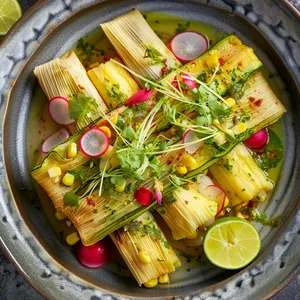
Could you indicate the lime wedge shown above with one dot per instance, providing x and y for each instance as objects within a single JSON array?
[
  {"x": 231, "y": 243},
  {"x": 10, "y": 12}
]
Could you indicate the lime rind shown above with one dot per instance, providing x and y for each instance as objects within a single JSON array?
[
  {"x": 10, "y": 12},
  {"x": 220, "y": 223}
]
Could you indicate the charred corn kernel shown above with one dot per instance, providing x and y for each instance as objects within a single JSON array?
[
  {"x": 54, "y": 172},
  {"x": 164, "y": 279},
  {"x": 144, "y": 257},
  {"x": 189, "y": 161},
  {"x": 173, "y": 131},
  {"x": 239, "y": 128},
  {"x": 72, "y": 238},
  {"x": 231, "y": 102},
  {"x": 216, "y": 122},
  {"x": 68, "y": 179},
  {"x": 114, "y": 119},
  {"x": 104, "y": 164},
  {"x": 212, "y": 61},
  {"x": 111, "y": 151},
  {"x": 226, "y": 203},
  {"x": 59, "y": 215},
  {"x": 235, "y": 41},
  {"x": 151, "y": 283},
  {"x": 193, "y": 235},
  {"x": 72, "y": 150},
  {"x": 106, "y": 130},
  {"x": 114, "y": 162},
  {"x": 120, "y": 187},
  {"x": 181, "y": 170},
  {"x": 94, "y": 65},
  {"x": 220, "y": 138}
]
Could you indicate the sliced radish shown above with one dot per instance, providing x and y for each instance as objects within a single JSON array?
[
  {"x": 59, "y": 111},
  {"x": 94, "y": 142},
  {"x": 203, "y": 182},
  {"x": 186, "y": 78},
  {"x": 192, "y": 141},
  {"x": 93, "y": 256},
  {"x": 188, "y": 45},
  {"x": 258, "y": 140},
  {"x": 55, "y": 139},
  {"x": 144, "y": 196},
  {"x": 216, "y": 194},
  {"x": 139, "y": 97}
]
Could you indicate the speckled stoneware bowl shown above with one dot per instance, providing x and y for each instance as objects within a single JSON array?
[{"x": 49, "y": 29}]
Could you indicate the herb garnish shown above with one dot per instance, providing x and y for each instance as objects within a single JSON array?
[
  {"x": 182, "y": 27},
  {"x": 81, "y": 106}
]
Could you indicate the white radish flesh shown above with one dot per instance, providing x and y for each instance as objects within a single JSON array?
[
  {"x": 94, "y": 142},
  {"x": 192, "y": 141},
  {"x": 189, "y": 45},
  {"x": 55, "y": 139},
  {"x": 59, "y": 111}
]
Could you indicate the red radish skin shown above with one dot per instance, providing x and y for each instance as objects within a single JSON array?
[
  {"x": 189, "y": 45},
  {"x": 139, "y": 97},
  {"x": 191, "y": 84},
  {"x": 58, "y": 108},
  {"x": 55, "y": 139},
  {"x": 144, "y": 196},
  {"x": 93, "y": 256},
  {"x": 216, "y": 194},
  {"x": 190, "y": 137},
  {"x": 258, "y": 140},
  {"x": 94, "y": 142}
]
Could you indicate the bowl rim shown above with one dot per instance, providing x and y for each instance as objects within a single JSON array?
[{"x": 28, "y": 14}]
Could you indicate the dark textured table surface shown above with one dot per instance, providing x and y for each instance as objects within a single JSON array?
[{"x": 13, "y": 286}]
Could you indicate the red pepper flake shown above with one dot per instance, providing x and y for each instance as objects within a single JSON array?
[
  {"x": 164, "y": 71},
  {"x": 164, "y": 60},
  {"x": 42, "y": 119},
  {"x": 90, "y": 201},
  {"x": 240, "y": 63},
  {"x": 221, "y": 61},
  {"x": 119, "y": 236},
  {"x": 193, "y": 64},
  {"x": 234, "y": 119},
  {"x": 169, "y": 161},
  {"x": 106, "y": 59},
  {"x": 236, "y": 112},
  {"x": 186, "y": 202},
  {"x": 258, "y": 102},
  {"x": 251, "y": 99}
]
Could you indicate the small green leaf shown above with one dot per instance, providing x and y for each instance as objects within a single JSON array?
[
  {"x": 182, "y": 27},
  {"x": 71, "y": 199}
]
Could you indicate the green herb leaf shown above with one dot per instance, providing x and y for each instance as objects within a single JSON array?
[
  {"x": 182, "y": 27},
  {"x": 81, "y": 106},
  {"x": 71, "y": 199}
]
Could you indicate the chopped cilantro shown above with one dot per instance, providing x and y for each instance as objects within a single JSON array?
[
  {"x": 182, "y": 27},
  {"x": 228, "y": 165}
]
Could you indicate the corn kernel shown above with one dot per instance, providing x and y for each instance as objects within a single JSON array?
[
  {"x": 151, "y": 283},
  {"x": 226, "y": 203},
  {"x": 111, "y": 151},
  {"x": 239, "y": 128},
  {"x": 164, "y": 278},
  {"x": 56, "y": 179},
  {"x": 54, "y": 172},
  {"x": 216, "y": 122},
  {"x": 106, "y": 130},
  {"x": 212, "y": 61},
  {"x": 72, "y": 238},
  {"x": 94, "y": 65},
  {"x": 114, "y": 162},
  {"x": 59, "y": 215},
  {"x": 231, "y": 102},
  {"x": 189, "y": 161},
  {"x": 235, "y": 41},
  {"x": 144, "y": 257},
  {"x": 114, "y": 119},
  {"x": 181, "y": 170},
  {"x": 72, "y": 150},
  {"x": 104, "y": 164},
  {"x": 68, "y": 179},
  {"x": 120, "y": 187},
  {"x": 193, "y": 235}
]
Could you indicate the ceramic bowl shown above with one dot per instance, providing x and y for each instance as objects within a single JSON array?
[{"x": 48, "y": 30}]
